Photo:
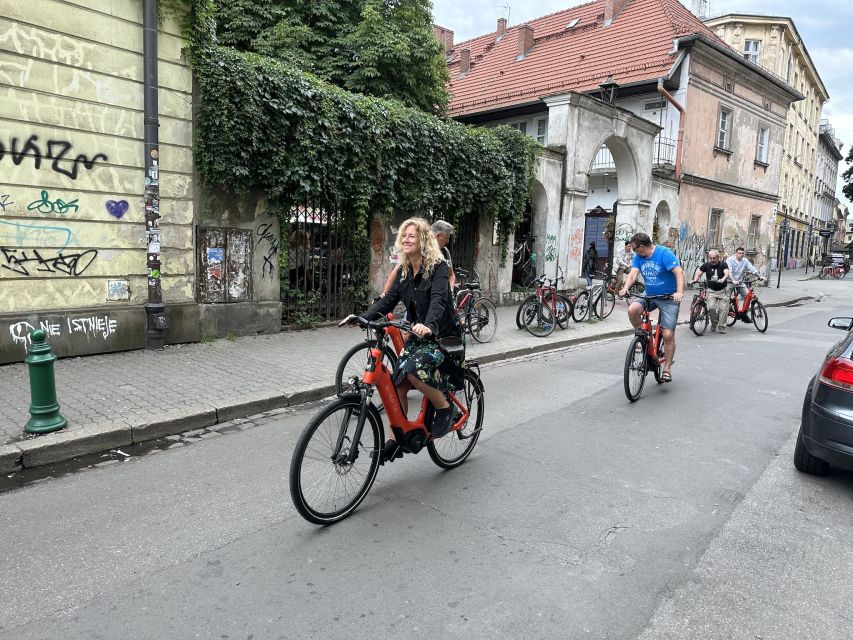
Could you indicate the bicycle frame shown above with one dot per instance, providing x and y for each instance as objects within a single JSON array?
[
  {"x": 747, "y": 299},
  {"x": 411, "y": 435},
  {"x": 654, "y": 333}
]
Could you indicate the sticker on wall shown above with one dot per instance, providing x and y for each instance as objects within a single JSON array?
[
  {"x": 117, "y": 208},
  {"x": 154, "y": 241},
  {"x": 215, "y": 258},
  {"x": 118, "y": 290}
]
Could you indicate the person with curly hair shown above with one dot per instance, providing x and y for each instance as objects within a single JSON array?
[{"x": 422, "y": 284}]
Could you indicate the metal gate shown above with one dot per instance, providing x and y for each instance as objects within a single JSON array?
[
  {"x": 327, "y": 268},
  {"x": 464, "y": 242}
]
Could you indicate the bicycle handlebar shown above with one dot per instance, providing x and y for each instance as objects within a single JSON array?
[
  {"x": 381, "y": 323},
  {"x": 667, "y": 296}
]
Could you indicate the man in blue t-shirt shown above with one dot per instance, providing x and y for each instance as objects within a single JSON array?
[{"x": 663, "y": 276}]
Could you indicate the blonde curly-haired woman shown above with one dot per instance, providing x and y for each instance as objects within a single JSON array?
[{"x": 423, "y": 287}]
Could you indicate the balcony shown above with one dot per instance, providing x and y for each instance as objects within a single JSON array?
[{"x": 664, "y": 156}]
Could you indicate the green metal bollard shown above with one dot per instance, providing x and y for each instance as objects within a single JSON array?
[{"x": 44, "y": 408}]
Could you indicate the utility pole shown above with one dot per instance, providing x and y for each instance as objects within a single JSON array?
[
  {"x": 154, "y": 308},
  {"x": 783, "y": 236}
]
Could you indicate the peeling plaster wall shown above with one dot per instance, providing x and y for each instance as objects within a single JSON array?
[{"x": 72, "y": 229}]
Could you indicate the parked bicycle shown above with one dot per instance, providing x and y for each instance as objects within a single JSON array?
[
  {"x": 477, "y": 314},
  {"x": 540, "y": 312},
  {"x": 339, "y": 453},
  {"x": 645, "y": 351},
  {"x": 601, "y": 299},
  {"x": 699, "y": 310},
  {"x": 836, "y": 271},
  {"x": 524, "y": 260},
  {"x": 751, "y": 305}
]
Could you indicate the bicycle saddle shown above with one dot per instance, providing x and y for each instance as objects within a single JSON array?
[{"x": 452, "y": 346}]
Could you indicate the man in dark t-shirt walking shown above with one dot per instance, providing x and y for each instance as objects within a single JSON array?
[{"x": 717, "y": 276}]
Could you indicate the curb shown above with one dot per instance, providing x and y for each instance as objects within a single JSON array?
[{"x": 100, "y": 437}]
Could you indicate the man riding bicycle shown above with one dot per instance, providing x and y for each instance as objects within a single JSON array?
[
  {"x": 663, "y": 276},
  {"x": 716, "y": 275},
  {"x": 738, "y": 264}
]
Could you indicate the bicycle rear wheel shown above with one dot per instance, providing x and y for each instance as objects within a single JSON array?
[
  {"x": 759, "y": 316},
  {"x": 564, "y": 310},
  {"x": 730, "y": 321},
  {"x": 636, "y": 367},
  {"x": 699, "y": 318},
  {"x": 483, "y": 320},
  {"x": 581, "y": 308},
  {"x": 608, "y": 301},
  {"x": 452, "y": 450},
  {"x": 539, "y": 320},
  {"x": 324, "y": 486}
]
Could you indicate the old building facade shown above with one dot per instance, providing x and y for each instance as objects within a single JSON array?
[{"x": 774, "y": 44}]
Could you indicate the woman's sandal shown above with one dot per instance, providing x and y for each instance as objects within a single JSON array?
[{"x": 666, "y": 376}]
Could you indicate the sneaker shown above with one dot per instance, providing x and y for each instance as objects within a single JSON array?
[
  {"x": 391, "y": 451},
  {"x": 713, "y": 328},
  {"x": 746, "y": 319},
  {"x": 442, "y": 422},
  {"x": 721, "y": 330}
]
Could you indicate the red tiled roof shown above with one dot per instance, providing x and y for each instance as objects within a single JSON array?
[{"x": 636, "y": 46}]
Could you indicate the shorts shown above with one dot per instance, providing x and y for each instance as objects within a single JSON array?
[{"x": 668, "y": 312}]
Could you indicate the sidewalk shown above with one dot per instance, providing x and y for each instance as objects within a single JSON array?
[{"x": 115, "y": 400}]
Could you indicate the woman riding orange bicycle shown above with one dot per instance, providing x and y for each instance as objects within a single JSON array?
[{"x": 423, "y": 287}]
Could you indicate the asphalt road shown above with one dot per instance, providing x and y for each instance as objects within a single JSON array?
[{"x": 579, "y": 515}]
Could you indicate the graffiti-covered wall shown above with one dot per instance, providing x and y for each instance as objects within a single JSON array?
[{"x": 72, "y": 218}]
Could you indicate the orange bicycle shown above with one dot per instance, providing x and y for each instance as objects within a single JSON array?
[
  {"x": 339, "y": 453},
  {"x": 751, "y": 305},
  {"x": 646, "y": 350}
]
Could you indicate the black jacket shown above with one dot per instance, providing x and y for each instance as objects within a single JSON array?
[{"x": 427, "y": 299}]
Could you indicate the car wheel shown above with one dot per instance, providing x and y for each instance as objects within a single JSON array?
[{"x": 803, "y": 460}]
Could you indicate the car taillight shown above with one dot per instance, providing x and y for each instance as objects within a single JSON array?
[{"x": 838, "y": 373}]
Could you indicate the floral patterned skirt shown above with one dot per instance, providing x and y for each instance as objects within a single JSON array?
[{"x": 424, "y": 359}]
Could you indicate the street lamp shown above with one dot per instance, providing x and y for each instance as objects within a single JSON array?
[
  {"x": 608, "y": 90},
  {"x": 783, "y": 236}
]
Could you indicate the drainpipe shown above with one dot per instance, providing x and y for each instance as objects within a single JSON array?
[
  {"x": 154, "y": 308},
  {"x": 683, "y": 114}
]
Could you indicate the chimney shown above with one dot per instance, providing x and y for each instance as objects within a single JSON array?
[
  {"x": 444, "y": 36},
  {"x": 501, "y": 27},
  {"x": 525, "y": 40},
  {"x": 612, "y": 9},
  {"x": 464, "y": 61}
]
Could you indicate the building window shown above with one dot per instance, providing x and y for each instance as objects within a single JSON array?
[
  {"x": 715, "y": 222},
  {"x": 751, "y": 49},
  {"x": 723, "y": 128},
  {"x": 541, "y": 130},
  {"x": 790, "y": 64},
  {"x": 520, "y": 126},
  {"x": 761, "y": 151},
  {"x": 752, "y": 238}
]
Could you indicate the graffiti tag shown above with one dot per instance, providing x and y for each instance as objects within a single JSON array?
[
  {"x": 550, "y": 248},
  {"x": 95, "y": 326},
  {"x": 20, "y": 332},
  {"x": 4, "y": 202},
  {"x": 575, "y": 243},
  {"x": 56, "y": 150},
  {"x": 624, "y": 232},
  {"x": 46, "y": 205},
  {"x": 34, "y": 234},
  {"x": 265, "y": 234},
  {"x": 73, "y": 264},
  {"x": 691, "y": 252},
  {"x": 117, "y": 208}
]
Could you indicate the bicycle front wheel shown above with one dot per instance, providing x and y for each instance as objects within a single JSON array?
[
  {"x": 604, "y": 304},
  {"x": 453, "y": 449},
  {"x": 581, "y": 308},
  {"x": 324, "y": 485},
  {"x": 730, "y": 321},
  {"x": 636, "y": 367},
  {"x": 483, "y": 320},
  {"x": 759, "y": 316},
  {"x": 539, "y": 320},
  {"x": 699, "y": 318},
  {"x": 519, "y": 321}
]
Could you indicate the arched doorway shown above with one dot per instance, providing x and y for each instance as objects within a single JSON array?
[
  {"x": 532, "y": 245},
  {"x": 663, "y": 221}
]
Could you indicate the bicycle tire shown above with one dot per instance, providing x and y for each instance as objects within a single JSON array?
[
  {"x": 699, "y": 318},
  {"x": 581, "y": 306},
  {"x": 732, "y": 315},
  {"x": 482, "y": 321},
  {"x": 636, "y": 368},
  {"x": 453, "y": 449},
  {"x": 565, "y": 308},
  {"x": 525, "y": 302},
  {"x": 541, "y": 322},
  {"x": 821, "y": 274},
  {"x": 609, "y": 301},
  {"x": 759, "y": 316},
  {"x": 315, "y": 449},
  {"x": 354, "y": 362}
]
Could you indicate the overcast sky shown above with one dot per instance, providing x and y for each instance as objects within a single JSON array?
[{"x": 824, "y": 26}]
